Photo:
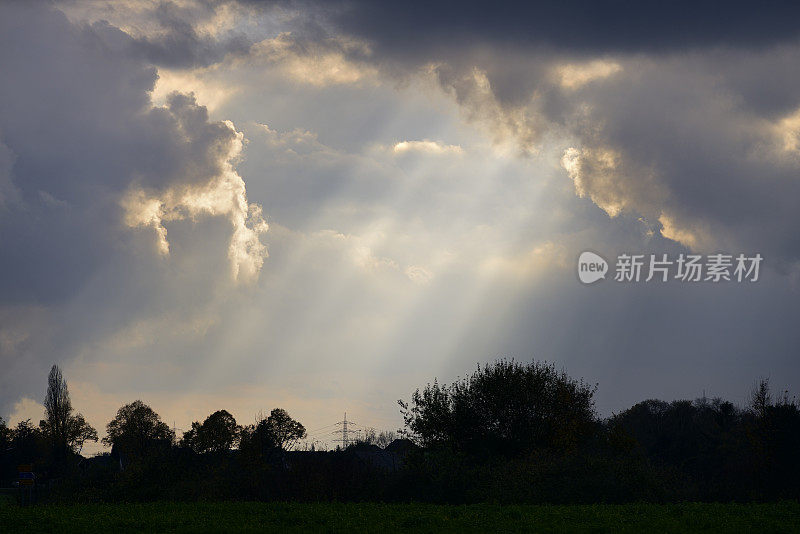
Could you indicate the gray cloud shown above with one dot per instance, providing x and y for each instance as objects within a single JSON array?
[
  {"x": 169, "y": 34},
  {"x": 579, "y": 26},
  {"x": 84, "y": 158},
  {"x": 178, "y": 43}
]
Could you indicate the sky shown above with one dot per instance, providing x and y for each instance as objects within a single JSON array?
[{"x": 322, "y": 206}]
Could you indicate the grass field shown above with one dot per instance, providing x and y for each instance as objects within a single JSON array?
[{"x": 386, "y": 518}]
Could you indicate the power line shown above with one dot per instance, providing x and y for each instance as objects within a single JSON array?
[{"x": 322, "y": 428}]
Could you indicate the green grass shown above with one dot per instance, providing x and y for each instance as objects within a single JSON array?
[{"x": 388, "y": 518}]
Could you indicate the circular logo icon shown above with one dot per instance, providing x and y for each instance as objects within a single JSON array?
[{"x": 591, "y": 267}]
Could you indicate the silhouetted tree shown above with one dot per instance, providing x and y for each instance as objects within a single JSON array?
[
  {"x": 278, "y": 431},
  {"x": 775, "y": 437},
  {"x": 697, "y": 437},
  {"x": 27, "y": 442},
  {"x": 137, "y": 429},
  {"x": 761, "y": 398},
  {"x": 219, "y": 432},
  {"x": 79, "y": 432},
  {"x": 285, "y": 431},
  {"x": 57, "y": 407},
  {"x": 65, "y": 432},
  {"x": 379, "y": 439},
  {"x": 506, "y": 407},
  {"x": 510, "y": 431},
  {"x": 5, "y": 436},
  {"x": 190, "y": 438}
]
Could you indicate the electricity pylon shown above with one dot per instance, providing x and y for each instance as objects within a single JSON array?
[{"x": 345, "y": 432}]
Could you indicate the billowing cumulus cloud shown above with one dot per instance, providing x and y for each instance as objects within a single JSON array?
[{"x": 222, "y": 194}]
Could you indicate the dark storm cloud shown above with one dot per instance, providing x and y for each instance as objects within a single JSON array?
[
  {"x": 400, "y": 28},
  {"x": 65, "y": 103}
]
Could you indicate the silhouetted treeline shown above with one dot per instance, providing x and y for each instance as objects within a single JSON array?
[{"x": 509, "y": 432}]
